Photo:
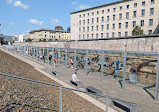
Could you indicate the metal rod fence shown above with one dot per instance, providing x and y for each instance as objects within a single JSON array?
[{"x": 124, "y": 53}]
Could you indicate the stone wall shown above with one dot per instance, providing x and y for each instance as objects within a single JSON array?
[{"x": 148, "y": 44}]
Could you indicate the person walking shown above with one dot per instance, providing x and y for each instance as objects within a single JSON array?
[{"x": 54, "y": 60}]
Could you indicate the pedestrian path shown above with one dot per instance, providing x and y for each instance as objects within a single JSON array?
[{"x": 42, "y": 68}]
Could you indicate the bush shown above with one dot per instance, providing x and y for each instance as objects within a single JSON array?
[
  {"x": 137, "y": 31},
  {"x": 28, "y": 40}
]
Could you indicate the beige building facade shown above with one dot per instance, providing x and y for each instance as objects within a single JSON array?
[
  {"x": 116, "y": 19},
  {"x": 49, "y": 34}
]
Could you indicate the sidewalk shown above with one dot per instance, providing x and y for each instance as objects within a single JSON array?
[
  {"x": 41, "y": 68},
  {"x": 109, "y": 86}
]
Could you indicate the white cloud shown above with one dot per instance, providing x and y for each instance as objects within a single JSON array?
[
  {"x": 36, "y": 22},
  {"x": 9, "y": 1},
  {"x": 74, "y": 3},
  {"x": 20, "y": 4},
  {"x": 11, "y": 24},
  {"x": 55, "y": 21},
  {"x": 81, "y": 7}
]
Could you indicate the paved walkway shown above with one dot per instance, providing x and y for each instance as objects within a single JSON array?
[
  {"x": 42, "y": 68},
  {"x": 109, "y": 86}
]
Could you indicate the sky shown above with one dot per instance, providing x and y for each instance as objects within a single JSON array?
[{"x": 21, "y": 16}]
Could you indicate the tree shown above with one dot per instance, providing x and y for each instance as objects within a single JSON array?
[
  {"x": 28, "y": 40},
  {"x": 6, "y": 42},
  {"x": 137, "y": 31},
  {"x": 68, "y": 29},
  {"x": 40, "y": 40},
  {"x": 44, "y": 40},
  {"x": 50, "y": 39}
]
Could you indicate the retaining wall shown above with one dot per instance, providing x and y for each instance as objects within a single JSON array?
[{"x": 148, "y": 44}]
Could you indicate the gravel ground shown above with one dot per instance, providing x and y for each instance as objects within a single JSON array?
[{"x": 21, "y": 96}]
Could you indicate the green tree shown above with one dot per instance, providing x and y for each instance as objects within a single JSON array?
[
  {"x": 44, "y": 40},
  {"x": 6, "y": 42},
  {"x": 137, "y": 31},
  {"x": 40, "y": 40},
  {"x": 68, "y": 29},
  {"x": 28, "y": 40},
  {"x": 50, "y": 39}
]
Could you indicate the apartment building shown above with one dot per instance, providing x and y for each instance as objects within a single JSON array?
[
  {"x": 49, "y": 34},
  {"x": 116, "y": 19}
]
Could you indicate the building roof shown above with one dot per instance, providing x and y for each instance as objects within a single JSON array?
[
  {"x": 59, "y": 28},
  {"x": 105, "y": 5},
  {"x": 49, "y": 30}
]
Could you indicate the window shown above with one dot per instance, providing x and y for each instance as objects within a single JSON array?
[
  {"x": 83, "y": 22},
  {"x": 113, "y": 34},
  {"x": 92, "y": 20},
  {"x": 119, "y": 34},
  {"x": 92, "y": 13},
  {"x": 102, "y": 11},
  {"x": 119, "y": 25},
  {"x": 121, "y": 7},
  {"x": 96, "y": 35},
  {"x": 88, "y": 21},
  {"x": 83, "y": 29},
  {"x": 80, "y": 22},
  {"x": 126, "y": 24},
  {"x": 152, "y": 1},
  {"x": 107, "y": 35},
  {"x": 127, "y": 15},
  {"x": 143, "y": 3},
  {"x": 126, "y": 34},
  {"x": 79, "y": 29},
  {"x": 157, "y": 31},
  {"x": 134, "y": 23},
  {"x": 127, "y": 6},
  {"x": 101, "y": 35},
  {"x": 113, "y": 17},
  {"x": 83, "y": 36},
  {"x": 79, "y": 16},
  {"x": 142, "y": 22},
  {"x": 88, "y": 29},
  {"x": 134, "y": 14},
  {"x": 97, "y": 27},
  {"x": 102, "y": 27},
  {"x": 151, "y": 11},
  {"x": 97, "y": 12},
  {"x": 83, "y": 15},
  {"x": 97, "y": 19},
  {"x": 92, "y": 36},
  {"x": 107, "y": 26},
  {"x": 150, "y": 22},
  {"x": 113, "y": 26},
  {"x": 108, "y": 10},
  {"x": 150, "y": 32},
  {"x": 135, "y": 4},
  {"x": 102, "y": 19},
  {"x": 107, "y": 18},
  {"x": 114, "y": 9},
  {"x": 87, "y": 36},
  {"x": 92, "y": 28},
  {"x": 143, "y": 12},
  {"x": 120, "y": 16},
  {"x": 79, "y": 36}
]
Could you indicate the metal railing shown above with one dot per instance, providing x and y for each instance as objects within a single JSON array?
[
  {"x": 33, "y": 49},
  {"x": 107, "y": 98}
]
